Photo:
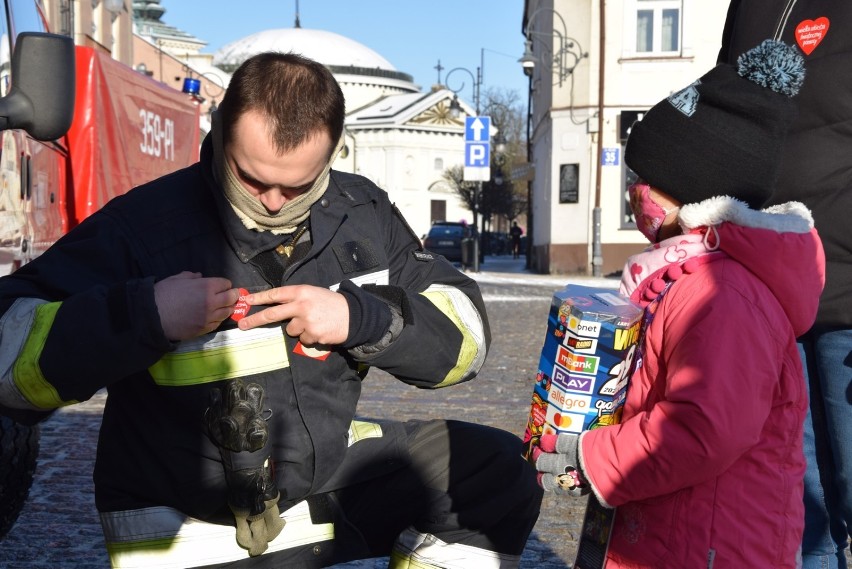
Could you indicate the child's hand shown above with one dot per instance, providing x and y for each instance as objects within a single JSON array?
[{"x": 557, "y": 461}]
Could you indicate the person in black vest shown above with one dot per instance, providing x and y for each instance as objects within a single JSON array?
[{"x": 816, "y": 169}]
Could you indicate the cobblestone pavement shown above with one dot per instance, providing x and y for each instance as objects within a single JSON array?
[{"x": 59, "y": 527}]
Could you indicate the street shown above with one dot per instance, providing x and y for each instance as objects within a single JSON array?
[{"x": 59, "y": 527}]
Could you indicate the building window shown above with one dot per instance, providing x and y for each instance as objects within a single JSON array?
[
  {"x": 658, "y": 26},
  {"x": 437, "y": 210},
  {"x": 439, "y": 164}
]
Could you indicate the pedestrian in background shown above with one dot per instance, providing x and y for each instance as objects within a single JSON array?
[
  {"x": 515, "y": 233},
  {"x": 816, "y": 169},
  {"x": 706, "y": 467},
  {"x": 232, "y": 309}
]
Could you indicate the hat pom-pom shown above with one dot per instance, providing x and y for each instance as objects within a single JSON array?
[{"x": 775, "y": 65}]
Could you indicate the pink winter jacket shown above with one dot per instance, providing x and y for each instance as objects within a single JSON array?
[{"x": 706, "y": 468}]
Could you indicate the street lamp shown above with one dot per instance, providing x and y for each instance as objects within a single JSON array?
[
  {"x": 114, "y": 6},
  {"x": 455, "y": 107},
  {"x": 567, "y": 47},
  {"x": 455, "y": 112},
  {"x": 500, "y": 143}
]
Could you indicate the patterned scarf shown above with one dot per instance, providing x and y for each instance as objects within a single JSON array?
[
  {"x": 248, "y": 208},
  {"x": 672, "y": 251}
]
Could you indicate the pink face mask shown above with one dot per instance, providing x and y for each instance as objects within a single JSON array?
[{"x": 649, "y": 214}]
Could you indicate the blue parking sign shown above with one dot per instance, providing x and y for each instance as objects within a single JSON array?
[
  {"x": 477, "y": 155},
  {"x": 477, "y": 149}
]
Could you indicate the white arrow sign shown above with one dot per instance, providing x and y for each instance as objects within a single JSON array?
[{"x": 477, "y": 129}]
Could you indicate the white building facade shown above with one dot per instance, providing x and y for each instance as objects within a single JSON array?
[{"x": 634, "y": 52}]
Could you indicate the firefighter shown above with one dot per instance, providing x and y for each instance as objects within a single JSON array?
[{"x": 231, "y": 310}]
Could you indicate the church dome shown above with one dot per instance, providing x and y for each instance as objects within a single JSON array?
[
  {"x": 364, "y": 75},
  {"x": 340, "y": 54}
]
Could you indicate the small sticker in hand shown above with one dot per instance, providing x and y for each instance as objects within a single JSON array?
[{"x": 241, "y": 308}]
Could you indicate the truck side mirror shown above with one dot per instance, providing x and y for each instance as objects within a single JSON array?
[{"x": 41, "y": 100}]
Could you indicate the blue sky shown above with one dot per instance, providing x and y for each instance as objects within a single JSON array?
[{"x": 412, "y": 34}]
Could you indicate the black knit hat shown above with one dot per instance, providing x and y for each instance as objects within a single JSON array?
[{"x": 723, "y": 134}]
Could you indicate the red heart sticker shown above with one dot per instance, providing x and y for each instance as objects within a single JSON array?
[
  {"x": 809, "y": 33},
  {"x": 635, "y": 270},
  {"x": 241, "y": 308}
]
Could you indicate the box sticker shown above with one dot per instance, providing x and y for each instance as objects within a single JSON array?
[
  {"x": 564, "y": 421},
  {"x": 583, "y": 327},
  {"x": 577, "y": 363},
  {"x": 580, "y": 345},
  {"x": 570, "y": 382},
  {"x": 568, "y": 401}
]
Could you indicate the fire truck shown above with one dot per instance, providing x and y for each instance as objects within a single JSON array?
[
  {"x": 77, "y": 128},
  {"x": 127, "y": 129}
]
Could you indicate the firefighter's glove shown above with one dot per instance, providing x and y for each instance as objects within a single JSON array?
[
  {"x": 235, "y": 419},
  {"x": 253, "y": 498},
  {"x": 236, "y": 423},
  {"x": 556, "y": 458}
]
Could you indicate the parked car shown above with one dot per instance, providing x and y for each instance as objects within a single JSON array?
[{"x": 446, "y": 238}]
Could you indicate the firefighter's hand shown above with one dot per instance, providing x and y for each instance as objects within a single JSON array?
[
  {"x": 191, "y": 305},
  {"x": 253, "y": 498},
  {"x": 557, "y": 460},
  {"x": 316, "y": 315}
]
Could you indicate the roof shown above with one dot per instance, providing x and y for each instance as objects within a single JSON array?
[
  {"x": 410, "y": 110},
  {"x": 146, "y": 22},
  {"x": 328, "y": 48}
]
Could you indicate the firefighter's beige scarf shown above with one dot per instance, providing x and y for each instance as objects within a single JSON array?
[{"x": 248, "y": 208}]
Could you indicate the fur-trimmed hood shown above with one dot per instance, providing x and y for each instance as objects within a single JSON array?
[
  {"x": 778, "y": 244},
  {"x": 792, "y": 217}
]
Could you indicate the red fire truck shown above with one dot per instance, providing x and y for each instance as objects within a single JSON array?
[
  {"x": 76, "y": 129},
  {"x": 127, "y": 129}
]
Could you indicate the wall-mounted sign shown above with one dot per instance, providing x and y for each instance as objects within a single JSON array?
[
  {"x": 610, "y": 156},
  {"x": 569, "y": 183}
]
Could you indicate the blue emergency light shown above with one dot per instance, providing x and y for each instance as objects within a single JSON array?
[{"x": 191, "y": 86}]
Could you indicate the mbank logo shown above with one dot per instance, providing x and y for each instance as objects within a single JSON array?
[{"x": 576, "y": 363}]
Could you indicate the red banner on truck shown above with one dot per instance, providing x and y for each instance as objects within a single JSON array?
[{"x": 128, "y": 129}]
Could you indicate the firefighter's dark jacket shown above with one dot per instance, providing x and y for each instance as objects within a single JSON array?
[{"x": 82, "y": 317}]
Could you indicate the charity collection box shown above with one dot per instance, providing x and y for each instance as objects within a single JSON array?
[
  {"x": 582, "y": 381},
  {"x": 582, "y": 376}
]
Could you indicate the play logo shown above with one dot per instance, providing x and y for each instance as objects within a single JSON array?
[{"x": 572, "y": 383}]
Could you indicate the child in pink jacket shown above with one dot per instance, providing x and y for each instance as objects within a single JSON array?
[{"x": 706, "y": 467}]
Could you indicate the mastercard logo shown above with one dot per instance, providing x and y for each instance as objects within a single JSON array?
[{"x": 562, "y": 421}]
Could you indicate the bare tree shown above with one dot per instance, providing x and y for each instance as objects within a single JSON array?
[
  {"x": 500, "y": 197},
  {"x": 466, "y": 191}
]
